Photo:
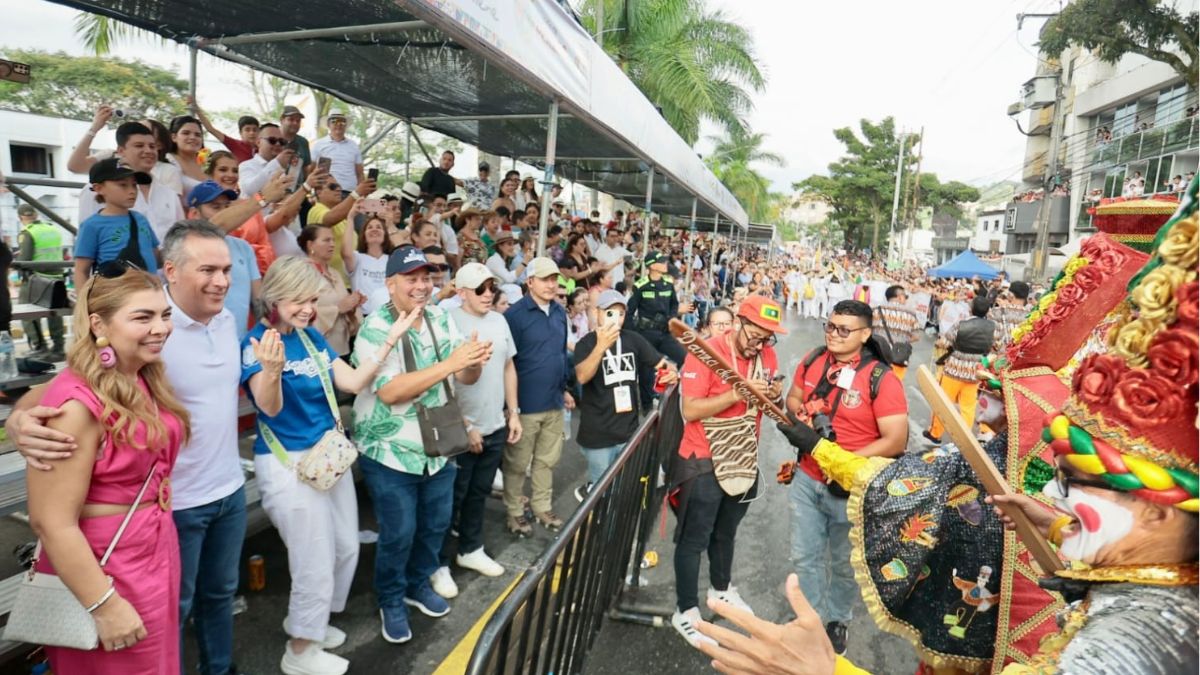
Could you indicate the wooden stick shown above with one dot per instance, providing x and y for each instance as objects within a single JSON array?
[
  {"x": 717, "y": 363},
  {"x": 988, "y": 474}
]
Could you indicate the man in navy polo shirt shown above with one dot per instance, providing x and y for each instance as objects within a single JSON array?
[{"x": 539, "y": 329}]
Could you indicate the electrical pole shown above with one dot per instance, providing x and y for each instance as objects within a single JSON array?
[
  {"x": 916, "y": 192},
  {"x": 1041, "y": 244},
  {"x": 895, "y": 202}
]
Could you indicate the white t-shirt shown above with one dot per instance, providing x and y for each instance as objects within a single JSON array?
[
  {"x": 186, "y": 182},
  {"x": 607, "y": 254},
  {"x": 449, "y": 239},
  {"x": 344, "y": 157},
  {"x": 369, "y": 277},
  {"x": 483, "y": 402},
  {"x": 204, "y": 367},
  {"x": 496, "y": 264},
  {"x": 162, "y": 207}
]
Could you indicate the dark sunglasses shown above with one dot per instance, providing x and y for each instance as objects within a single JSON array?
[
  {"x": 333, "y": 186},
  {"x": 275, "y": 141},
  {"x": 114, "y": 269},
  {"x": 842, "y": 331},
  {"x": 441, "y": 267},
  {"x": 487, "y": 287},
  {"x": 1065, "y": 482}
]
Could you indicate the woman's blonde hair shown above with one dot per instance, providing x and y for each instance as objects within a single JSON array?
[
  {"x": 290, "y": 278},
  {"x": 125, "y": 405}
]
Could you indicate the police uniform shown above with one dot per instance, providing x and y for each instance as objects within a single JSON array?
[
  {"x": 651, "y": 306},
  {"x": 42, "y": 242}
]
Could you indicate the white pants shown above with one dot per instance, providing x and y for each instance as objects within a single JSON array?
[
  {"x": 819, "y": 306},
  {"x": 808, "y": 308},
  {"x": 320, "y": 530}
]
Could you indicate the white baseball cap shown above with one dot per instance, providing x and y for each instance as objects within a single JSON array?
[{"x": 472, "y": 275}]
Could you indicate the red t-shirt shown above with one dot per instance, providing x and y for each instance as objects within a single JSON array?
[
  {"x": 855, "y": 421},
  {"x": 698, "y": 381},
  {"x": 240, "y": 149}
]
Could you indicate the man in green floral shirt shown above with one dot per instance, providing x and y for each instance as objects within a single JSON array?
[{"x": 412, "y": 492}]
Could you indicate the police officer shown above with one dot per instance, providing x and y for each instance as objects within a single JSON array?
[
  {"x": 651, "y": 306},
  {"x": 39, "y": 241}
]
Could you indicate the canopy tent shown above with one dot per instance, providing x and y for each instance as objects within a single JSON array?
[
  {"x": 964, "y": 266},
  {"x": 495, "y": 79}
]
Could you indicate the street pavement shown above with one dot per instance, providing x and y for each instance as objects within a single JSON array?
[{"x": 438, "y": 646}]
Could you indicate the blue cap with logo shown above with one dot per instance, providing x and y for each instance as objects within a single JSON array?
[{"x": 405, "y": 260}]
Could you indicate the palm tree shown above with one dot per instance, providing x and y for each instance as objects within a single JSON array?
[
  {"x": 732, "y": 161},
  {"x": 100, "y": 33},
  {"x": 692, "y": 63}
]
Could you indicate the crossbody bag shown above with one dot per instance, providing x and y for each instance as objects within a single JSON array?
[
  {"x": 46, "y": 612},
  {"x": 334, "y": 454},
  {"x": 443, "y": 433}
]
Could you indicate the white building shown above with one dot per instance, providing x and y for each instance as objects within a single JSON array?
[
  {"x": 1126, "y": 120},
  {"x": 37, "y": 146},
  {"x": 807, "y": 210},
  {"x": 989, "y": 234}
]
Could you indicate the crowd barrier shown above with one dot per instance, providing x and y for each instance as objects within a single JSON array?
[{"x": 549, "y": 620}]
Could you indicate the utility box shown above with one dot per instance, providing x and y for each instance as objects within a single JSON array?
[{"x": 1039, "y": 92}]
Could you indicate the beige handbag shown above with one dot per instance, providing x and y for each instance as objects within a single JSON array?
[{"x": 46, "y": 612}]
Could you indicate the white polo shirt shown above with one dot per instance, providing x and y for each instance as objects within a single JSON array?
[
  {"x": 607, "y": 254},
  {"x": 162, "y": 207},
  {"x": 204, "y": 367},
  {"x": 343, "y": 155}
]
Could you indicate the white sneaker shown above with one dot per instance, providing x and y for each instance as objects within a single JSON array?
[
  {"x": 479, "y": 561},
  {"x": 312, "y": 661},
  {"x": 685, "y": 624},
  {"x": 498, "y": 483},
  {"x": 443, "y": 583},
  {"x": 730, "y": 596},
  {"x": 334, "y": 637}
]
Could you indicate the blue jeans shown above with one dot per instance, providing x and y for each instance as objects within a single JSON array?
[
  {"x": 819, "y": 524},
  {"x": 413, "y": 511},
  {"x": 210, "y": 546},
  {"x": 599, "y": 459}
]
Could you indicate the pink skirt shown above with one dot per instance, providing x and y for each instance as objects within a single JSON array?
[{"x": 145, "y": 571}]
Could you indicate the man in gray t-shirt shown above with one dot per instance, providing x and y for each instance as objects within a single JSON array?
[{"x": 483, "y": 405}]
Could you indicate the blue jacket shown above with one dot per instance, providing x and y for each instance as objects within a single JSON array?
[{"x": 542, "y": 358}]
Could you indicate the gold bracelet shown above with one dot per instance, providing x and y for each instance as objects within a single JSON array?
[{"x": 1054, "y": 535}]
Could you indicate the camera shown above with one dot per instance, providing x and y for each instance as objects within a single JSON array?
[
  {"x": 824, "y": 426},
  {"x": 119, "y": 114}
]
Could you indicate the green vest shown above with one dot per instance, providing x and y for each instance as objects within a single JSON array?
[{"x": 47, "y": 241}]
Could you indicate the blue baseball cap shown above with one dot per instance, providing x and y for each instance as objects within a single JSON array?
[
  {"x": 405, "y": 260},
  {"x": 206, "y": 192}
]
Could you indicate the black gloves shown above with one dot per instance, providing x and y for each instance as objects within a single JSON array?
[{"x": 799, "y": 434}]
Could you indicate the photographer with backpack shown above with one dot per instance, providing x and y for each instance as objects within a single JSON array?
[{"x": 849, "y": 383}]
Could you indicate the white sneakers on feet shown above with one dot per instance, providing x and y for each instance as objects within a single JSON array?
[
  {"x": 479, "y": 561},
  {"x": 731, "y": 596},
  {"x": 334, "y": 637},
  {"x": 312, "y": 661},
  {"x": 685, "y": 624},
  {"x": 443, "y": 583}
]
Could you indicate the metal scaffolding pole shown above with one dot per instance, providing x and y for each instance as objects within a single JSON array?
[
  {"x": 41, "y": 208},
  {"x": 646, "y": 218},
  {"x": 688, "y": 251},
  {"x": 408, "y": 151},
  {"x": 316, "y": 33},
  {"x": 712, "y": 254},
  {"x": 379, "y": 136},
  {"x": 548, "y": 179},
  {"x": 192, "y": 54}
]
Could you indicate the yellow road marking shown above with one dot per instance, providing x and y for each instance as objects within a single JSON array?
[{"x": 456, "y": 661}]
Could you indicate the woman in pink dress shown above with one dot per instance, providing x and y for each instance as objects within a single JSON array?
[{"x": 127, "y": 426}]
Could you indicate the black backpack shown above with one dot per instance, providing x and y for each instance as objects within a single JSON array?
[{"x": 878, "y": 370}]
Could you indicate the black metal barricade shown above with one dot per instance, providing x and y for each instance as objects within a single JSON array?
[{"x": 549, "y": 620}]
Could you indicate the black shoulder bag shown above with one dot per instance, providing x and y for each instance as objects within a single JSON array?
[
  {"x": 443, "y": 433},
  {"x": 901, "y": 352}
]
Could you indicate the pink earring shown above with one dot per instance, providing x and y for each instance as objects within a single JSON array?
[{"x": 108, "y": 356}]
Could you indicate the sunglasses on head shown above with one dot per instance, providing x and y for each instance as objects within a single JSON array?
[
  {"x": 275, "y": 140},
  {"x": 114, "y": 268}
]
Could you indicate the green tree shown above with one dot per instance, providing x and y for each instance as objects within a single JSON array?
[
  {"x": 100, "y": 33},
  {"x": 74, "y": 86},
  {"x": 860, "y": 184},
  {"x": 1114, "y": 28},
  {"x": 732, "y": 160},
  {"x": 946, "y": 198},
  {"x": 693, "y": 63}
]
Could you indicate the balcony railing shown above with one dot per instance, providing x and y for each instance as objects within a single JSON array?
[{"x": 1147, "y": 144}]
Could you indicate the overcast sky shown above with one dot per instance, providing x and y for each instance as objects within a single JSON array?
[{"x": 953, "y": 66}]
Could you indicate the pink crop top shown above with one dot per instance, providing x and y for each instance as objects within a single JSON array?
[{"x": 120, "y": 470}]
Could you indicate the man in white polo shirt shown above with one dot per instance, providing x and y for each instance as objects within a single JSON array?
[
  {"x": 346, "y": 161},
  {"x": 203, "y": 361}
]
